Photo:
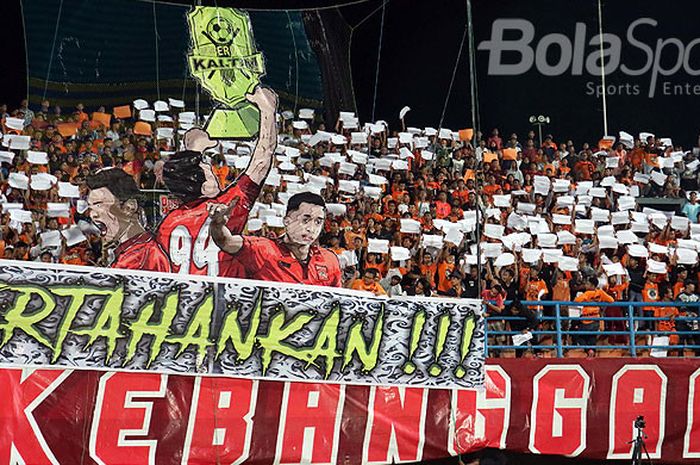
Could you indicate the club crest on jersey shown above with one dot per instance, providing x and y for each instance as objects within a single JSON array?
[{"x": 322, "y": 272}]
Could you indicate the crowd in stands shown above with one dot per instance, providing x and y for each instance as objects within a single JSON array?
[{"x": 406, "y": 206}]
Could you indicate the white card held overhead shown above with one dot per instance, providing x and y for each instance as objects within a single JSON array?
[
  {"x": 626, "y": 203},
  {"x": 686, "y": 256},
  {"x": 433, "y": 241},
  {"x": 528, "y": 208},
  {"x": 597, "y": 192},
  {"x": 376, "y": 193},
  {"x": 502, "y": 201},
  {"x": 6, "y": 156},
  {"x": 531, "y": 255},
  {"x": 21, "y": 216},
  {"x": 15, "y": 123},
  {"x": 73, "y": 235},
  {"x": 400, "y": 253},
  {"x": 37, "y": 158},
  {"x": 622, "y": 217},
  {"x": 147, "y": 115},
  {"x": 612, "y": 162},
  {"x": 160, "y": 105},
  {"x": 641, "y": 178},
  {"x": 565, "y": 238},
  {"x": 410, "y": 226},
  {"x": 300, "y": 125},
  {"x": 454, "y": 236},
  {"x": 626, "y": 236},
  {"x": 658, "y": 249},
  {"x": 567, "y": 263},
  {"x": 404, "y": 110},
  {"x": 585, "y": 226},
  {"x": 18, "y": 181},
  {"x": 19, "y": 142},
  {"x": 546, "y": 240},
  {"x": 680, "y": 223},
  {"x": 561, "y": 219},
  {"x": 359, "y": 138},
  {"x": 656, "y": 267},
  {"x": 608, "y": 181},
  {"x": 658, "y": 177},
  {"x": 505, "y": 259},
  {"x": 57, "y": 210},
  {"x": 494, "y": 231},
  {"x": 614, "y": 269},
  {"x": 561, "y": 185},
  {"x": 176, "y": 103},
  {"x": 444, "y": 134},
  {"x": 140, "y": 104},
  {"x": 306, "y": 113},
  {"x": 552, "y": 255},
  {"x": 637, "y": 250},
  {"x": 50, "y": 239},
  {"x": 378, "y": 246},
  {"x": 566, "y": 201},
  {"x": 607, "y": 242}
]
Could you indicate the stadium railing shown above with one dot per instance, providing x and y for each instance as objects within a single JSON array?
[{"x": 555, "y": 322}]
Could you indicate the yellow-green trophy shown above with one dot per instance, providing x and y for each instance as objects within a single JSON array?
[{"x": 226, "y": 63}]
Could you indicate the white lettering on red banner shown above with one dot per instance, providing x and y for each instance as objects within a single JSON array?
[
  {"x": 221, "y": 421},
  {"x": 691, "y": 440},
  {"x": 395, "y": 430},
  {"x": 21, "y": 391},
  {"x": 558, "y": 415},
  {"x": 309, "y": 428},
  {"x": 637, "y": 390},
  {"x": 481, "y": 417},
  {"x": 118, "y": 417}
]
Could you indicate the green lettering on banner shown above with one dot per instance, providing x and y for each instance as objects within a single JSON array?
[
  {"x": 160, "y": 330},
  {"x": 467, "y": 335},
  {"x": 107, "y": 324},
  {"x": 326, "y": 342},
  {"x": 443, "y": 325},
  {"x": 197, "y": 332},
  {"x": 16, "y": 319},
  {"x": 416, "y": 331},
  {"x": 77, "y": 297},
  {"x": 231, "y": 331},
  {"x": 356, "y": 343},
  {"x": 280, "y": 329}
]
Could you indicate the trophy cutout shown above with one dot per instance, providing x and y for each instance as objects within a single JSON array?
[{"x": 225, "y": 61}]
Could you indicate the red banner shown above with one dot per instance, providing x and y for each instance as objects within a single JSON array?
[{"x": 582, "y": 408}]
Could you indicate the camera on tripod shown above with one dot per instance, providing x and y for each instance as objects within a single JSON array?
[{"x": 639, "y": 422}]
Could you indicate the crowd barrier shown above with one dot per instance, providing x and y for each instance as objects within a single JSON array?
[{"x": 559, "y": 325}]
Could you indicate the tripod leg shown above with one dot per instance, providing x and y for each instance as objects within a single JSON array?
[
  {"x": 646, "y": 452},
  {"x": 636, "y": 453}
]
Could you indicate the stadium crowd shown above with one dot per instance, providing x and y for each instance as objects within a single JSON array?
[{"x": 405, "y": 208}]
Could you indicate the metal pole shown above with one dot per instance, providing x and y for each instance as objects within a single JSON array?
[
  {"x": 560, "y": 351},
  {"x": 472, "y": 69},
  {"x": 539, "y": 128},
  {"x": 472, "y": 93},
  {"x": 633, "y": 342},
  {"x": 602, "y": 69},
  {"x": 197, "y": 87}
]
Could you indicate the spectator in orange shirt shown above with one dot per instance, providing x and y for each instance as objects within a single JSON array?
[
  {"x": 442, "y": 207},
  {"x": 592, "y": 294},
  {"x": 428, "y": 268},
  {"x": 368, "y": 283},
  {"x": 535, "y": 288}
]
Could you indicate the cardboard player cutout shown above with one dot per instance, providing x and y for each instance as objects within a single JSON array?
[
  {"x": 114, "y": 209},
  {"x": 225, "y": 61}
]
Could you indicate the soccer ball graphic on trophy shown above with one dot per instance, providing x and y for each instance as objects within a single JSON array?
[{"x": 225, "y": 61}]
